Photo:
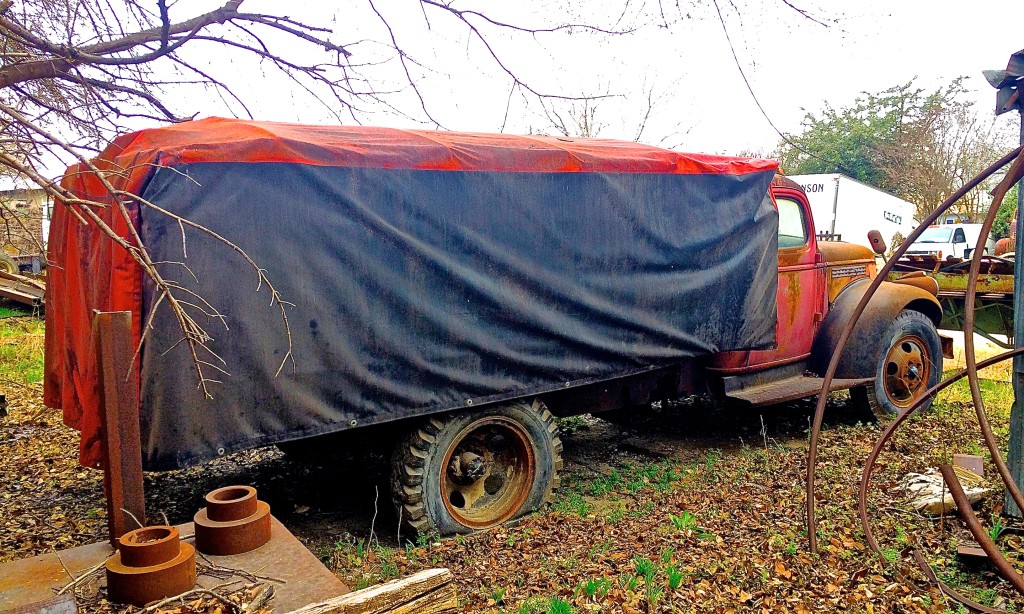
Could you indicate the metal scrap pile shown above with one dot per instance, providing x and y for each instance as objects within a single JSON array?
[{"x": 26, "y": 290}]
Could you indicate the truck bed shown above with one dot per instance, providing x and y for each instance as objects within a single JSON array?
[{"x": 993, "y": 289}]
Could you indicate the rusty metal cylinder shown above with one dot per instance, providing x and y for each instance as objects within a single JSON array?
[
  {"x": 149, "y": 546},
  {"x": 234, "y": 521},
  {"x": 231, "y": 503},
  {"x": 151, "y": 563}
]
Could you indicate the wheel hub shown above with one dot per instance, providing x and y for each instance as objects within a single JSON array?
[
  {"x": 906, "y": 370},
  {"x": 488, "y": 473},
  {"x": 467, "y": 468}
]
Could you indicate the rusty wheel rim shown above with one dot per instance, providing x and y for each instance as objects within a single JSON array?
[
  {"x": 906, "y": 371},
  {"x": 488, "y": 472}
]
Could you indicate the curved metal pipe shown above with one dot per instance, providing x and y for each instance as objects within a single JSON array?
[
  {"x": 819, "y": 411},
  {"x": 971, "y": 372},
  {"x": 929, "y": 573},
  {"x": 963, "y": 505}
]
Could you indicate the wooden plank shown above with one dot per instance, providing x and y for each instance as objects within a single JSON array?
[
  {"x": 28, "y": 281},
  {"x": 121, "y": 445},
  {"x": 20, "y": 297},
  {"x": 438, "y": 601},
  {"x": 431, "y": 591},
  {"x": 22, "y": 289}
]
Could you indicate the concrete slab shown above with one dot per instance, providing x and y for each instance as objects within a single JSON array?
[{"x": 305, "y": 579}]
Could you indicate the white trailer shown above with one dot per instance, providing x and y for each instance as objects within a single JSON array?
[{"x": 846, "y": 209}]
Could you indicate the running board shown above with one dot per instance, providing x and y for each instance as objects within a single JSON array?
[{"x": 791, "y": 389}]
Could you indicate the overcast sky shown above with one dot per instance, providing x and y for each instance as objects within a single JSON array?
[{"x": 794, "y": 64}]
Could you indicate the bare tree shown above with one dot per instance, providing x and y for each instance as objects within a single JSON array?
[
  {"x": 75, "y": 73},
  {"x": 939, "y": 145},
  {"x": 577, "y": 117}
]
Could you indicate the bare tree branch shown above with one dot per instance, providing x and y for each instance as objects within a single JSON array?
[{"x": 76, "y": 73}]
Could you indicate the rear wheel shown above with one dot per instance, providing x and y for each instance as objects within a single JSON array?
[
  {"x": 472, "y": 470},
  {"x": 910, "y": 363}
]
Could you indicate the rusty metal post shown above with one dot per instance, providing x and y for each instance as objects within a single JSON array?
[
  {"x": 1015, "y": 455},
  {"x": 1009, "y": 84},
  {"x": 122, "y": 440}
]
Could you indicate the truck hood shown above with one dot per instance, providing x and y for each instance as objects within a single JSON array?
[{"x": 837, "y": 251}]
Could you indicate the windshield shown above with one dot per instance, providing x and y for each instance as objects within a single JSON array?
[{"x": 936, "y": 234}]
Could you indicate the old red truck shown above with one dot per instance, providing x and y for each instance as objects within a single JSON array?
[{"x": 459, "y": 291}]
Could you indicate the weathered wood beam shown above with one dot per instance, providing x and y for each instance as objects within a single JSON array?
[
  {"x": 121, "y": 442},
  {"x": 429, "y": 592}
]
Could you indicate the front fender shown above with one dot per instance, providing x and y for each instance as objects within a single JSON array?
[{"x": 860, "y": 357}]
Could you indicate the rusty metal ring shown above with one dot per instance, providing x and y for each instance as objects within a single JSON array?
[
  {"x": 231, "y": 503},
  {"x": 149, "y": 546}
]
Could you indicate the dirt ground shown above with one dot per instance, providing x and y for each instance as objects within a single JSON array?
[{"x": 695, "y": 508}]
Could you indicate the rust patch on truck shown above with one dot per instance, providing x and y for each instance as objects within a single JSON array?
[
  {"x": 836, "y": 252},
  {"x": 846, "y": 263}
]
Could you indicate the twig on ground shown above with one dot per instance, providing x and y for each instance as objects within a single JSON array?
[{"x": 76, "y": 581}]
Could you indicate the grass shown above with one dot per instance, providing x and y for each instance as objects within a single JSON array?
[
  {"x": 545, "y": 605},
  {"x": 13, "y": 310},
  {"x": 684, "y": 521},
  {"x": 571, "y": 424},
  {"x": 628, "y": 478},
  {"x": 595, "y": 588},
  {"x": 21, "y": 349},
  {"x": 675, "y": 577},
  {"x": 573, "y": 503},
  {"x": 996, "y": 528},
  {"x": 378, "y": 563}
]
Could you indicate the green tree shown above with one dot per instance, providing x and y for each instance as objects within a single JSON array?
[
  {"x": 921, "y": 146},
  {"x": 849, "y": 140},
  {"x": 1001, "y": 227}
]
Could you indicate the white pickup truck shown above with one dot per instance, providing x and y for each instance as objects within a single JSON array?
[{"x": 957, "y": 240}]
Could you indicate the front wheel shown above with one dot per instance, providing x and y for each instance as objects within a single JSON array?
[
  {"x": 909, "y": 364},
  {"x": 475, "y": 469}
]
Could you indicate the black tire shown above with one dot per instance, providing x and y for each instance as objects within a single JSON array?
[
  {"x": 474, "y": 469},
  {"x": 8, "y": 265},
  {"x": 911, "y": 346}
]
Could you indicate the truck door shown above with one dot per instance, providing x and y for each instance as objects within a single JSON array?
[{"x": 801, "y": 293}]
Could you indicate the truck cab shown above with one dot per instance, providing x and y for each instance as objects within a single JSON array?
[{"x": 894, "y": 355}]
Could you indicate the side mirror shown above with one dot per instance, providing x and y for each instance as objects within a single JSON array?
[{"x": 877, "y": 242}]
